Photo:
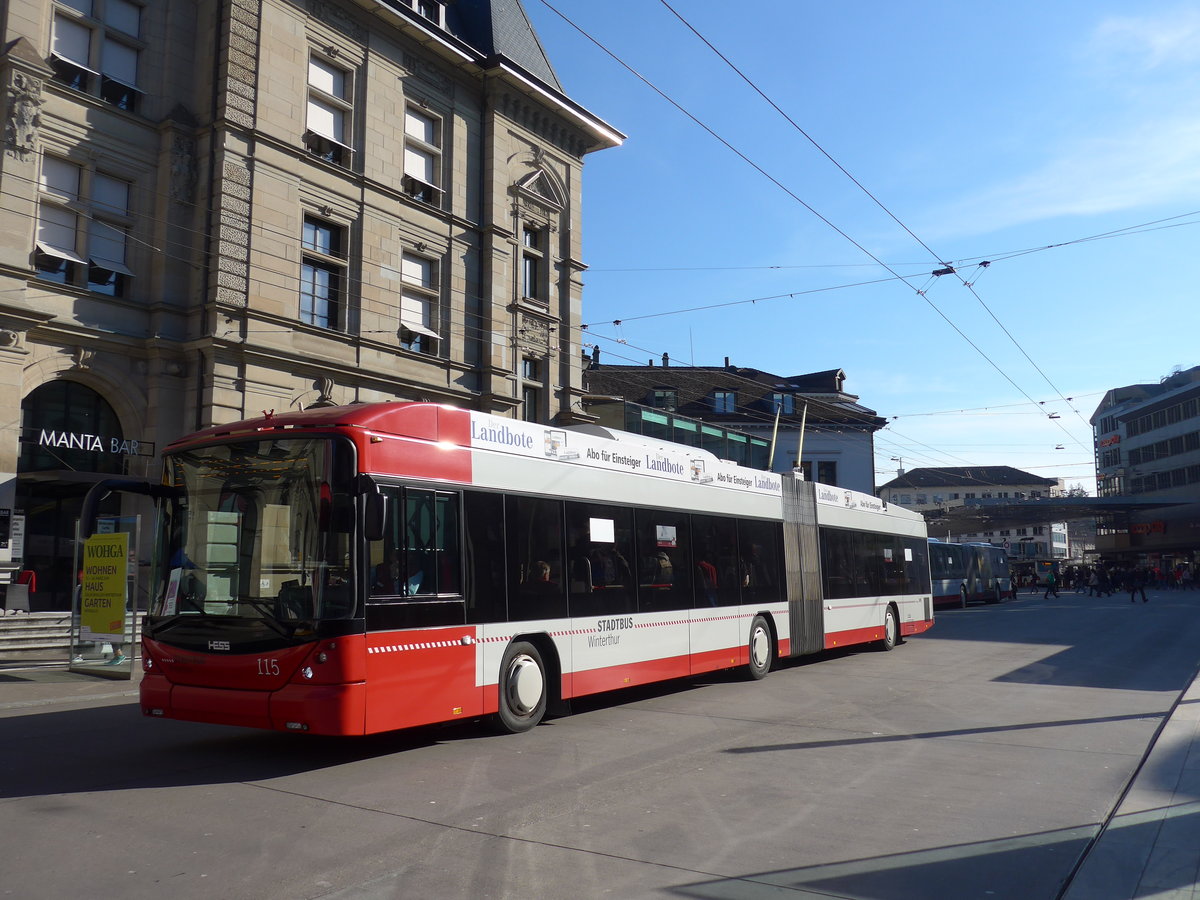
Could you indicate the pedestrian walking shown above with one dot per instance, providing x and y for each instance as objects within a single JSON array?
[
  {"x": 1135, "y": 583},
  {"x": 1051, "y": 585}
]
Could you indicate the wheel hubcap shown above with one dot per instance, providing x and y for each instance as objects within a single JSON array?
[
  {"x": 525, "y": 685},
  {"x": 760, "y": 648}
]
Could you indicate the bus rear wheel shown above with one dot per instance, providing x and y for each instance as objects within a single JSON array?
[
  {"x": 891, "y": 630},
  {"x": 762, "y": 649},
  {"x": 522, "y": 688}
]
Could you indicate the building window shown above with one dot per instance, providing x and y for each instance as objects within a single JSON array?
[
  {"x": 95, "y": 49},
  {"x": 56, "y": 256},
  {"x": 827, "y": 474},
  {"x": 71, "y": 196},
  {"x": 418, "y": 304},
  {"x": 322, "y": 274},
  {"x": 664, "y": 398},
  {"x": 532, "y": 263},
  {"x": 422, "y": 156},
  {"x": 109, "y": 236},
  {"x": 724, "y": 401},
  {"x": 330, "y": 113},
  {"x": 784, "y": 404},
  {"x": 531, "y": 401},
  {"x": 433, "y": 10},
  {"x": 532, "y": 376}
]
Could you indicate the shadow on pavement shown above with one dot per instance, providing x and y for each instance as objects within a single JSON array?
[
  {"x": 1077, "y": 624},
  {"x": 1027, "y": 867}
]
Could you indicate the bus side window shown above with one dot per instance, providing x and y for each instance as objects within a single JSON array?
[
  {"x": 431, "y": 551},
  {"x": 600, "y": 547},
  {"x": 536, "y": 587},
  {"x": 759, "y": 542},
  {"x": 717, "y": 576},
  {"x": 419, "y": 553},
  {"x": 483, "y": 552},
  {"x": 664, "y": 560},
  {"x": 386, "y": 565}
]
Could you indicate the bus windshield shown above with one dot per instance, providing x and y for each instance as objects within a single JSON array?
[{"x": 259, "y": 529}]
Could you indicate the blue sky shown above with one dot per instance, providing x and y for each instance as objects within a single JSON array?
[{"x": 986, "y": 129}]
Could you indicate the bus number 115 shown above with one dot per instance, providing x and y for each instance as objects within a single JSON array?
[{"x": 268, "y": 666}]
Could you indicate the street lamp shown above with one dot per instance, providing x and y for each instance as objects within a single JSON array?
[{"x": 899, "y": 459}]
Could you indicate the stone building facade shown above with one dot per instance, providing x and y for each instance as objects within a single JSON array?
[{"x": 218, "y": 207}]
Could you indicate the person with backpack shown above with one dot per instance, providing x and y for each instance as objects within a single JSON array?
[{"x": 1051, "y": 584}]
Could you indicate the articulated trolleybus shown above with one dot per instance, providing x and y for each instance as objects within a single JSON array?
[{"x": 359, "y": 569}]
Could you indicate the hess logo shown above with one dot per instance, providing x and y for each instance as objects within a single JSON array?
[{"x": 218, "y": 645}]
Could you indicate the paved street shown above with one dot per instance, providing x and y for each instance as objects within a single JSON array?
[{"x": 979, "y": 760}]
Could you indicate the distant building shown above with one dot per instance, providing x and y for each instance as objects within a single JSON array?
[
  {"x": 1148, "y": 447},
  {"x": 925, "y": 490},
  {"x": 838, "y": 432}
]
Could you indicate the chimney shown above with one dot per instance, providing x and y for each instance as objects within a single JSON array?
[
  {"x": 666, "y": 360},
  {"x": 727, "y": 362}
]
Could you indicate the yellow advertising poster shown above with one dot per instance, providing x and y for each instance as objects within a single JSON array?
[{"x": 102, "y": 595}]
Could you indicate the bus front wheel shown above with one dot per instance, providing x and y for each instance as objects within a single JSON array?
[
  {"x": 761, "y": 647},
  {"x": 522, "y": 688}
]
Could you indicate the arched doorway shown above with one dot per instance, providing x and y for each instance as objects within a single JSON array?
[{"x": 67, "y": 445}]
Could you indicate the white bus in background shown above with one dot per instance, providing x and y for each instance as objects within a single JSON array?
[{"x": 964, "y": 573}]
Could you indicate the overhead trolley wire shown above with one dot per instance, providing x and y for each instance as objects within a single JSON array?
[
  {"x": 923, "y": 293},
  {"x": 944, "y": 268}
]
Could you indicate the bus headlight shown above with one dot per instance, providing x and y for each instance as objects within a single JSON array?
[{"x": 307, "y": 672}]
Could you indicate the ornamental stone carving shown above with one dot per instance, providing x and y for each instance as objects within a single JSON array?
[
  {"x": 24, "y": 114},
  {"x": 183, "y": 169}
]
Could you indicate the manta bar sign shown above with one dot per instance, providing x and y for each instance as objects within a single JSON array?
[{"x": 91, "y": 443}]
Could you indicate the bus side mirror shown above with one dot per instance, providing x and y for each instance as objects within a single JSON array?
[{"x": 374, "y": 508}]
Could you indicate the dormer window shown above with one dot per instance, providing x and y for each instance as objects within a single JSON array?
[
  {"x": 784, "y": 404},
  {"x": 433, "y": 10},
  {"x": 664, "y": 398},
  {"x": 724, "y": 401}
]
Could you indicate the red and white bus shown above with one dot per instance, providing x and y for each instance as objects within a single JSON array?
[{"x": 359, "y": 569}]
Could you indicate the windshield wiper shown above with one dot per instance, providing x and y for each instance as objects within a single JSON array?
[{"x": 267, "y": 608}]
